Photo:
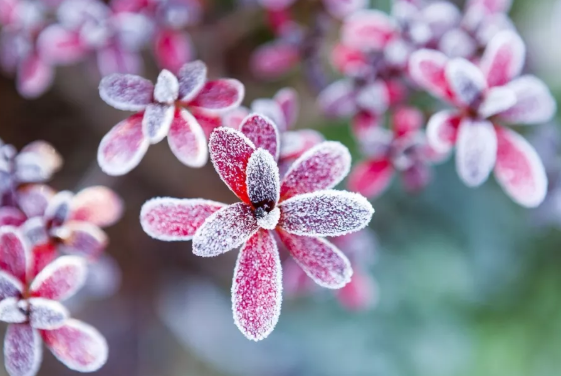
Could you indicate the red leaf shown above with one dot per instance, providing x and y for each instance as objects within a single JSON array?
[
  {"x": 187, "y": 140},
  {"x": 220, "y": 95},
  {"x": 60, "y": 279},
  {"x": 14, "y": 252},
  {"x": 98, "y": 205},
  {"x": 262, "y": 132},
  {"x": 371, "y": 177}
]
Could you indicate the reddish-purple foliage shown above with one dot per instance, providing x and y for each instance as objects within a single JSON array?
[{"x": 301, "y": 209}]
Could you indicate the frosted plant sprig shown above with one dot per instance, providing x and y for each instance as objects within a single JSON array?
[
  {"x": 32, "y": 308},
  {"x": 301, "y": 209},
  {"x": 176, "y": 107},
  {"x": 486, "y": 96}
]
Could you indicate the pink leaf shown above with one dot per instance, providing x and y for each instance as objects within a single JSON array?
[
  {"x": 262, "y": 132},
  {"x": 466, "y": 82},
  {"x": 123, "y": 147},
  {"x": 503, "y": 59},
  {"x": 115, "y": 59},
  {"x": 173, "y": 49},
  {"x": 534, "y": 102},
  {"x": 519, "y": 169},
  {"x": 187, "y": 140},
  {"x": 9, "y": 286},
  {"x": 22, "y": 350},
  {"x": 60, "y": 279},
  {"x": 442, "y": 130},
  {"x": 230, "y": 151},
  {"x": 157, "y": 121},
  {"x": 34, "y": 199},
  {"x": 368, "y": 30},
  {"x": 476, "y": 151},
  {"x": 167, "y": 87},
  {"x": 257, "y": 287},
  {"x": 287, "y": 98},
  {"x": 173, "y": 219},
  {"x": 296, "y": 143},
  {"x": 407, "y": 120},
  {"x": 321, "y": 167},
  {"x": 34, "y": 77},
  {"x": 192, "y": 78},
  {"x": 262, "y": 182},
  {"x": 46, "y": 314},
  {"x": 77, "y": 345},
  {"x": 274, "y": 59},
  {"x": 10, "y": 216},
  {"x": 82, "y": 239},
  {"x": 126, "y": 92},
  {"x": 14, "y": 252},
  {"x": 371, "y": 177},
  {"x": 497, "y": 100},
  {"x": 225, "y": 230},
  {"x": 427, "y": 68},
  {"x": 361, "y": 293},
  {"x": 220, "y": 95},
  {"x": 98, "y": 205},
  {"x": 57, "y": 45},
  {"x": 338, "y": 99},
  {"x": 234, "y": 118},
  {"x": 208, "y": 121},
  {"x": 350, "y": 61},
  {"x": 271, "y": 109},
  {"x": 325, "y": 213},
  {"x": 321, "y": 260}
]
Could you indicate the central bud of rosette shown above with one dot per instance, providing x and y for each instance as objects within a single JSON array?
[{"x": 263, "y": 188}]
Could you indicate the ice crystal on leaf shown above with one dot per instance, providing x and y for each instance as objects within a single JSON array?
[
  {"x": 176, "y": 107},
  {"x": 249, "y": 169}
]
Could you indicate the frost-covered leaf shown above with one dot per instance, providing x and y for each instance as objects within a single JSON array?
[
  {"x": 208, "y": 121},
  {"x": 234, "y": 118},
  {"x": 534, "y": 102},
  {"x": 13, "y": 310},
  {"x": 33, "y": 199},
  {"x": 82, "y": 239},
  {"x": 187, "y": 140},
  {"x": 225, "y": 230},
  {"x": 113, "y": 59},
  {"x": 262, "y": 132},
  {"x": 10, "y": 286},
  {"x": 60, "y": 279},
  {"x": 35, "y": 231},
  {"x": 321, "y": 167},
  {"x": 407, "y": 120},
  {"x": 123, "y": 147},
  {"x": 371, "y": 177},
  {"x": 321, "y": 260},
  {"x": 504, "y": 58},
  {"x": 466, "y": 82},
  {"x": 229, "y": 152},
  {"x": 287, "y": 98},
  {"x": 22, "y": 350},
  {"x": 157, "y": 121},
  {"x": 98, "y": 205},
  {"x": 257, "y": 286},
  {"x": 269, "y": 108},
  {"x": 457, "y": 43},
  {"x": 14, "y": 252},
  {"x": 77, "y": 345},
  {"x": 37, "y": 162},
  {"x": 192, "y": 78},
  {"x": 519, "y": 169},
  {"x": 338, "y": 99},
  {"x": 368, "y": 30},
  {"x": 274, "y": 59},
  {"x": 126, "y": 91},
  {"x": 10, "y": 216},
  {"x": 350, "y": 61},
  {"x": 295, "y": 143},
  {"x": 325, "y": 213},
  {"x": 58, "y": 210},
  {"x": 262, "y": 181},
  {"x": 172, "y": 219},
  {"x": 476, "y": 151},
  {"x": 173, "y": 48},
  {"x": 34, "y": 77},
  {"x": 442, "y": 130},
  {"x": 167, "y": 87},
  {"x": 427, "y": 68},
  {"x": 497, "y": 100},
  {"x": 220, "y": 95},
  {"x": 46, "y": 314},
  {"x": 58, "y": 45}
]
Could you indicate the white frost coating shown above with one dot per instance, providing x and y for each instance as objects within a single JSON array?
[
  {"x": 493, "y": 59},
  {"x": 325, "y": 213},
  {"x": 321, "y": 167},
  {"x": 466, "y": 81},
  {"x": 126, "y": 92},
  {"x": 11, "y": 312},
  {"x": 65, "y": 275},
  {"x": 167, "y": 87},
  {"x": 476, "y": 151},
  {"x": 21, "y": 256},
  {"x": 497, "y": 100},
  {"x": 23, "y": 352},
  {"x": 35, "y": 231},
  {"x": 89, "y": 344},
  {"x": 338, "y": 99},
  {"x": 225, "y": 230},
  {"x": 263, "y": 132},
  {"x": 191, "y": 151},
  {"x": 10, "y": 286},
  {"x": 156, "y": 121},
  {"x": 58, "y": 209},
  {"x": 46, "y": 314},
  {"x": 270, "y": 220},
  {"x": 270, "y": 109},
  {"x": 534, "y": 102},
  {"x": 192, "y": 78},
  {"x": 257, "y": 287},
  {"x": 179, "y": 218},
  {"x": 262, "y": 178},
  {"x": 436, "y": 128}
]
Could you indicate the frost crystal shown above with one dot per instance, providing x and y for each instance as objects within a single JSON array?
[
  {"x": 262, "y": 181},
  {"x": 126, "y": 92},
  {"x": 46, "y": 314},
  {"x": 476, "y": 151},
  {"x": 262, "y": 132}
]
